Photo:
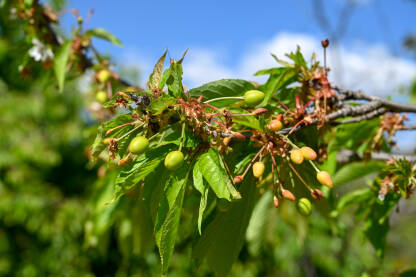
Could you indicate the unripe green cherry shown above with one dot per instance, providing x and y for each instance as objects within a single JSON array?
[
  {"x": 258, "y": 169},
  {"x": 138, "y": 145},
  {"x": 101, "y": 96},
  {"x": 304, "y": 206},
  {"x": 296, "y": 156},
  {"x": 103, "y": 75},
  {"x": 253, "y": 97},
  {"x": 174, "y": 160},
  {"x": 324, "y": 178}
]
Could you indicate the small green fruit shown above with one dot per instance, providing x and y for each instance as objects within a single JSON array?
[
  {"x": 253, "y": 97},
  {"x": 174, "y": 160},
  {"x": 138, "y": 145},
  {"x": 258, "y": 169},
  {"x": 103, "y": 75},
  {"x": 296, "y": 156},
  {"x": 304, "y": 206},
  {"x": 101, "y": 96}
]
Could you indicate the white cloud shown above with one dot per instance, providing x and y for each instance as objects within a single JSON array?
[
  {"x": 370, "y": 67},
  {"x": 203, "y": 65},
  {"x": 358, "y": 66}
]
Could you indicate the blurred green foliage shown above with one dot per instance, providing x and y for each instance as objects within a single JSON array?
[{"x": 57, "y": 218}]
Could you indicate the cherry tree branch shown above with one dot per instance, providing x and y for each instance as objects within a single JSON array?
[
  {"x": 346, "y": 156},
  {"x": 375, "y": 107},
  {"x": 360, "y": 95}
]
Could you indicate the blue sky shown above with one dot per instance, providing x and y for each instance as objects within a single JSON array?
[
  {"x": 234, "y": 38},
  {"x": 151, "y": 26}
]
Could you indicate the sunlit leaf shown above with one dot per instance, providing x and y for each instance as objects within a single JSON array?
[
  {"x": 103, "y": 34},
  {"x": 60, "y": 62},
  {"x": 227, "y": 232},
  {"x": 156, "y": 75}
]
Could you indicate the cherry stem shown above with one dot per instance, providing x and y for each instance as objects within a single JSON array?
[
  {"x": 247, "y": 114},
  {"x": 255, "y": 158},
  {"x": 219, "y": 123},
  {"x": 273, "y": 167},
  {"x": 296, "y": 147},
  {"x": 122, "y": 125},
  {"x": 295, "y": 126},
  {"x": 109, "y": 90},
  {"x": 210, "y": 106},
  {"x": 307, "y": 103},
  {"x": 290, "y": 142},
  {"x": 314, "y": 166},
  {"x": 223, "y": 98},
  {"x": 129, "y": 132},
  {"x": 297, "y": 174},
  {"x": 182, "y": 136},
  {"x": 274, "y": 163},
  {"x": 281, "y": 104},
  {"x": 128, "y": 156},
  {"x": 274, "y": 183},
  {"x": 226, "y": 166}
]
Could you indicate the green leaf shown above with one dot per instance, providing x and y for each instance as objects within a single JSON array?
[
  {"x": 269, "y": 71},
  {"x": 60, "y": 62},
  {"x": 352, "y": 136},
  {"x": 154, "y": 78},
  {"x": 174, "y": 81},
  {"x": 198, "y": 178},
  {"x": 116, "y": 121},
  {"x": 249, "y": 121},
  {"x": 172, "y": 134},
  {"x": 356, "y": 170},
  {"x": 103, "y": 34},
  {"x": 278, "y": 81},
  {"x": 201, "y": 186},
  {"x": 282, "y": 62},
  {"x": 377, "y": 224},
  {"x": 168, "y": 216},
  {"x": 298, "y": 58},
  {"x": 216, "y": 176},
  {"x": 143, "y": 227},
  {"x": 140, "y": 168},
  {"x": 258, "y": 222},
  {"x": 159, "y": 105},
  {"x": 98, "y": 145},
  {"x": 222, "y": 88},
  {"x": 241, "y": 165},
  {"x": 165, "y": 77},
  {"x": 354, "y": 197},
  {"x": 223, "y": 238},
  {"x": 183, "y": 56}
]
